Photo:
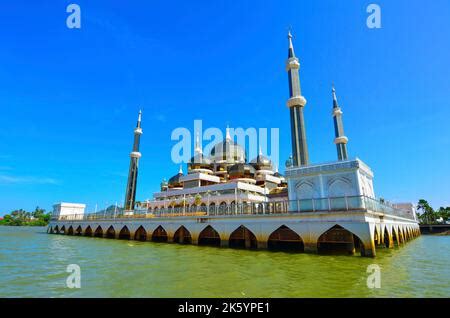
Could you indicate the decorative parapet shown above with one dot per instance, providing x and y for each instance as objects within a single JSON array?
[{"x": 328, "y": 167}]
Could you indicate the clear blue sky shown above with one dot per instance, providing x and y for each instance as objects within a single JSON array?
[{"x": 69, "y": 98}]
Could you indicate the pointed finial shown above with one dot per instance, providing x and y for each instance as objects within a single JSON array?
[
  {"x": 198, "y": 147},
  {"x": 260, "y": 151},
  {"x": 291, "y": 46},
  {"x": 181, "y": 169},
  {"x": 276, "y": 169},
  {"x": 333, "y": 92},
  {"x": 228, "y": 136},
  {"x": 138, "y": 125}
]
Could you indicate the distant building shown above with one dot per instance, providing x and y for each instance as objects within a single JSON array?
[{"x": 65, "y": 211}]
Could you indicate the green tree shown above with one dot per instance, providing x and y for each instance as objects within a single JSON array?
[
  {"x": 198, "y": 200},
  {"x": 427, "y": 214},
  {"x": 21, "y": 217},
  {"x": 38, "y": 213},
  {"x": 443, "y": 213}
]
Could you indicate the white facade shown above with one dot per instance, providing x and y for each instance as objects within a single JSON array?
[
  {"x": 65, "y": 211},
  {"x": 212, "y": 194},
  {"x": 407, "y": 208},
  {"x": 330, "y": 180}
]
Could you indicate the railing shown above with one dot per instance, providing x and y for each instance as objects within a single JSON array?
[{"x": 336, "y": 204}]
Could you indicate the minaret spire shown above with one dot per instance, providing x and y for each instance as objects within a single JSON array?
[
  {"x": 296, "y": 103},
  {"x": 228, "y": 136},
  {"x": 138, "y": 125},
  {"x": 198, "y": 148},
  {"x": 340, "y": 139},
  {"x": 291, "y": 46},
  {"x": 135, "y": 155},
  {"x": 333, "y": 91}
]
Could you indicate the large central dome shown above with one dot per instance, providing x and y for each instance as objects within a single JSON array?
[{"x": 227, "y": 151}]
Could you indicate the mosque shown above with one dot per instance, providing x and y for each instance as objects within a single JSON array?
[
  {"x": 221, "y": 182},
  {"x": 224, "y": 181},
  {"x": 226, "y": 199}
]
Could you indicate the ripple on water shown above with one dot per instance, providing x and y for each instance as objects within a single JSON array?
[{"x": 35, "y": 265}]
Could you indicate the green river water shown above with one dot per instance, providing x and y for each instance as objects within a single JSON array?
[{"x": 33, "y": 264}]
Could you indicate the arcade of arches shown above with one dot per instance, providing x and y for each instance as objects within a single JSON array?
[{"x": 335, "y": 240}]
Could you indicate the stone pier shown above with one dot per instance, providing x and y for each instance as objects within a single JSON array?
[{"x": 315, "y": 232}]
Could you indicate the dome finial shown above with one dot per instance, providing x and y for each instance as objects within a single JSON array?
[
  {"x": 260, "y": 151},
  {"x": 181, "y": 169}
]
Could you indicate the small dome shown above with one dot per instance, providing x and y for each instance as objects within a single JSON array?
[
  {"x": 290, "y": 162},
  {"x": 200, "y": 159},
  {"x": 262, "y": 162},
  {"x": 278, "y": 175},
  {"x": 164, "y": 185},
  {"x": 174, "y": 182},
  {"x": 241, "y": 170}
]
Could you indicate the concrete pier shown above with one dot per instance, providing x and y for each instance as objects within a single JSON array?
[{"x": 314, "y": 232}]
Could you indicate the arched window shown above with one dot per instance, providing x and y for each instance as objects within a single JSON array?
[{"x": 223, "y": 208}]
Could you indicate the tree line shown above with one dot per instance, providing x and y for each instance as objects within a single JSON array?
[
  {"x": 427, "y": 215},
  {"x": 38, "y": 217}
]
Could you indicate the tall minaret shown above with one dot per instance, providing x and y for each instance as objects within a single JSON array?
[
  {"x": 130, "y": 195},
  {"x": 340, "y": 139},
  {"x": 296, "y": 102}
]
